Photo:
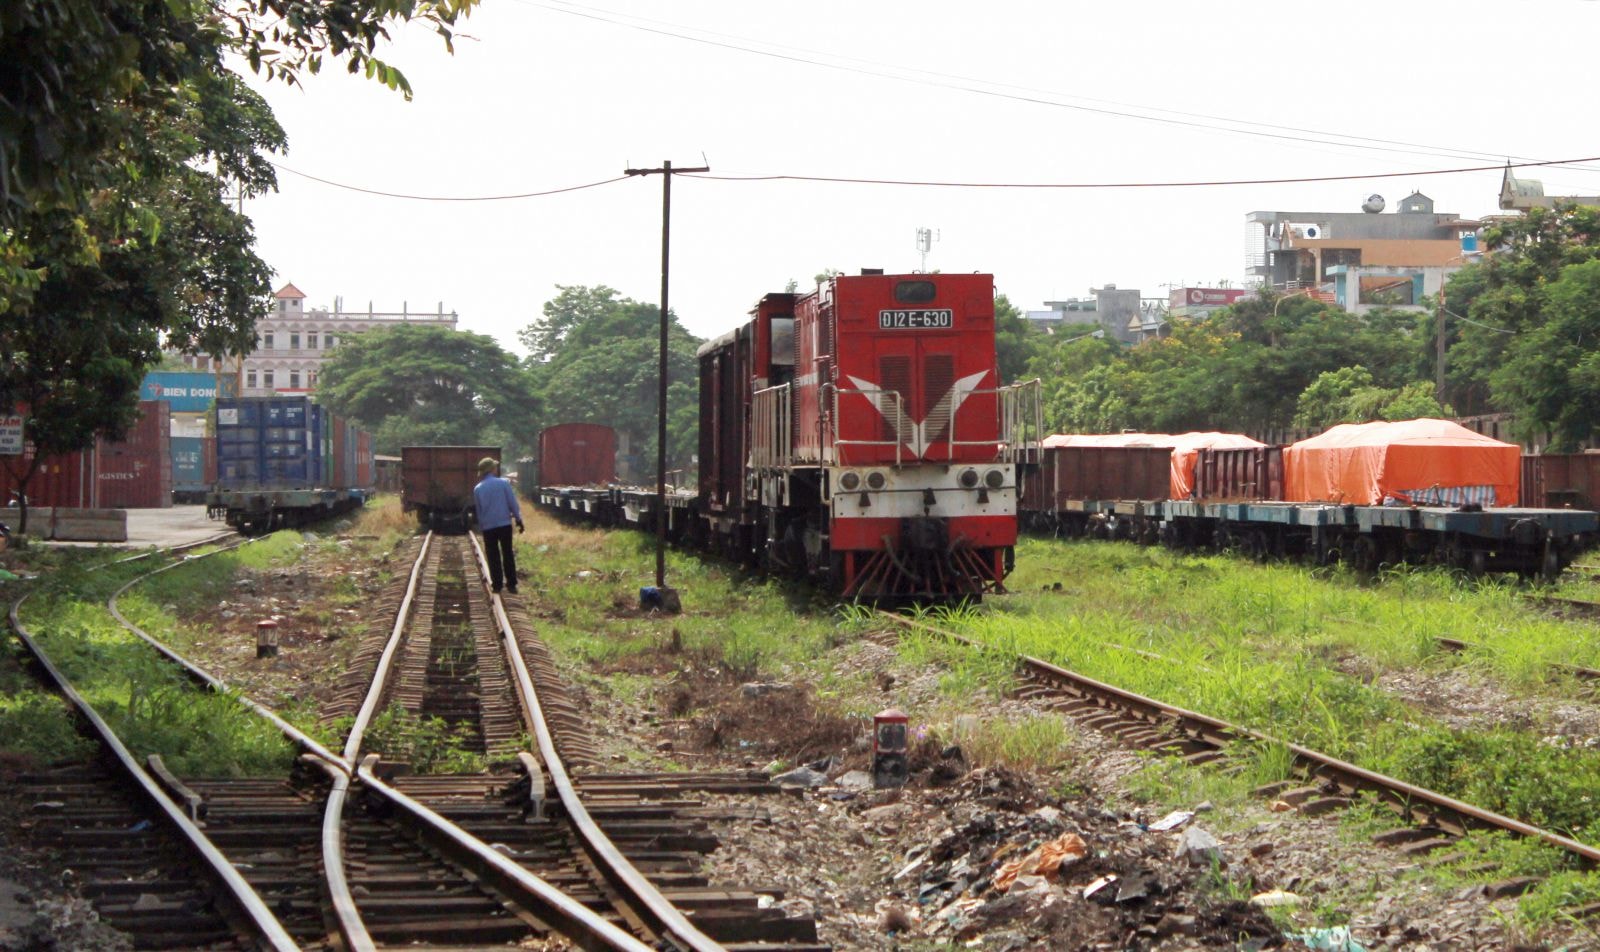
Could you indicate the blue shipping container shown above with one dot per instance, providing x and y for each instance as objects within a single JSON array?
[
  {"x": 271, "y": 443},
  {"x": 188, "y": 464}
]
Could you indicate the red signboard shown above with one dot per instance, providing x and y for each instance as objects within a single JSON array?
[{"x": 1205, "y": 297}]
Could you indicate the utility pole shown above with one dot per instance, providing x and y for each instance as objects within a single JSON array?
[
  {"x": 1438, "y": 364},
  {"x": 665, "y": 172}
]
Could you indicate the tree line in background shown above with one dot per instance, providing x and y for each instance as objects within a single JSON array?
[{"x": 592, "y": 359}]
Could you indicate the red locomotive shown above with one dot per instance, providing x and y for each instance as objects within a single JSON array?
[{"x": 860, "y": 434}]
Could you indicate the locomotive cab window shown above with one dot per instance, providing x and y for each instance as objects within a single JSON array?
[
  {"x": 914, "y": 292},
  {"x": 783, "y": 341}
]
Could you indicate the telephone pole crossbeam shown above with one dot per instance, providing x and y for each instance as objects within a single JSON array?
[{"x": 666, "y": 172}]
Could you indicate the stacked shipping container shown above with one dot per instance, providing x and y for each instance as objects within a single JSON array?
[{"x": 132, "y": 473}]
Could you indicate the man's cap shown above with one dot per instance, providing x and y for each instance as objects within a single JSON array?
[{"x": 487, "y": 464}]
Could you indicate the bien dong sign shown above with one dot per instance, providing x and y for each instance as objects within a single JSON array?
[
  {"x": 10, "y": 436},
  {"x": 186, "y": 392}
]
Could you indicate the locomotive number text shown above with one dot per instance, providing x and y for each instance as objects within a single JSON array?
[{"x": 941, "y": 317}]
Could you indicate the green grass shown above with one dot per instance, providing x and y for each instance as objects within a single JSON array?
[
  {"x": 145, "y": 700},
  {"x": 429, "y": 744},
  {"x": 1290, "y": 651}
]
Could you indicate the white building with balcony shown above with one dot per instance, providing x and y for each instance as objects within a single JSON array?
[{"x": 292, "y": 343}]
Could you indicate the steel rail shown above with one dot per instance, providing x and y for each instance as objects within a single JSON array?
[
  {"x": 346, "y": 916},
  {"x": 352, "y": 930},
  {"x": 1347, "y": 775},
  {"x": 196, "y": 673},
  {"x": 660, "y": 915},
  {"x": 380, "y": 676},
  {"x": 555, "y": 908},
  {"x": 244, "y": 907},
  {"x": 564, "y": 914},
  {"x": 559, "y": 911}
]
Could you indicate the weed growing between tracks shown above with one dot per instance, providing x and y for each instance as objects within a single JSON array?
[
  {"x": 1267, "y": 647},
  {"x": 150, "y": 705}
]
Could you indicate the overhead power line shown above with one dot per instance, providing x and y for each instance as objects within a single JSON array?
[
  {"x": 1173, "y": 184},
  {"x": 931, "y": 183},
  {"x": 1024, "y": 94},
  {"x": 445, "y": 198}
]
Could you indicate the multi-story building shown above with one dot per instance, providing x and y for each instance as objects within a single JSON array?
[
  {"x": 292, "y": 343},
  {"x": 1360, "y": 259},
  {"x": 1119, "y": 313}
]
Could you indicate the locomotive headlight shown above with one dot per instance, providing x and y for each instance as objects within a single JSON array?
[
  {"x": 850, "y": 481},
  {"x": 969, "y": 478},
  {"x": 876, "y": 480},
  {"x": 994, "y": 479}
]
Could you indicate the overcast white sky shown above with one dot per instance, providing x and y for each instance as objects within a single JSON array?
[{"x": 543, "y": 94}]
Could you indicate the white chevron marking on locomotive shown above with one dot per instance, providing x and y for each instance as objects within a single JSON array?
[{"x": 953, "y": 398}]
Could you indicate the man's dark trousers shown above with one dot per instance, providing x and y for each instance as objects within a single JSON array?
[{"x": 497, "y": 547}]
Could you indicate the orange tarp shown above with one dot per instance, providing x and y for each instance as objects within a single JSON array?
[
  {"x": 1185, "y": 448},
  {"x": 1417, "y": 462}
]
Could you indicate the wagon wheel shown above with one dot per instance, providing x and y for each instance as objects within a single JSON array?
[
  {"x": 1256, "y": 545},
  {"x": 1364, "y": 555},
  {"x": 1550, "y": 563}
]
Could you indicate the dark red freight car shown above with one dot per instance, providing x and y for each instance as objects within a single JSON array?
[
  {"x": 577, "y": 454},
  {"x": 1561, "y": 481},
  {"x": 1078, "y": 489},
  {"x": 1240, "y": 474},
  {"x": 436, "y": 483}
]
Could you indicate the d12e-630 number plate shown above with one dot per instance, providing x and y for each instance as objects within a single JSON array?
[{"x": 916, "y": 320}]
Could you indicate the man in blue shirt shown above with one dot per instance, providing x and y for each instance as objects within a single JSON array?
[{"x": 497, "y": 510}]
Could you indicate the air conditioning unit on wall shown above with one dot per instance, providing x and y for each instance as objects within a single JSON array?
[{"x": 1310, "y": 230}]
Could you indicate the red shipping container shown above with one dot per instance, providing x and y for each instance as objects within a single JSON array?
[
  {"x": 577, "y": 454},
  {"x": 63, "y": 480},
  {"x": 341, "y": 472},
  {"x": 136, "y": 472},
  {"x": 208, "y": 459},
  {"x": 365, "y": 477}
]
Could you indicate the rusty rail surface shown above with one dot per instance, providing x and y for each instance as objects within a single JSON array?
[
  {"x": 653, "y": 909},
  {"x": 1418, "y": 803},
  {"x": 241, "y": 905}
]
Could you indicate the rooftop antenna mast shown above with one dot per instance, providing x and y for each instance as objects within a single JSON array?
[{"x": 925, "y": 239}]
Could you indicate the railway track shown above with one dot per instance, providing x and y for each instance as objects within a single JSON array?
[
  {"x": 352, "y": 852},
  {"x": 1436, "y": 821}
]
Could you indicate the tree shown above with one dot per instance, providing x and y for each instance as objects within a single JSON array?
[
  {"x": 1015, "y": 340},
  {"x": 1349, "y": 395},
  {"x": 420, "y": 384},
  {"x": 118, "y": 124},
  {"x": 1522, "y": 345},
  {"x": 1551, "y": 373},
  {"x": 595, "y": 357},
  {"x": 80, "y": 73}
]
